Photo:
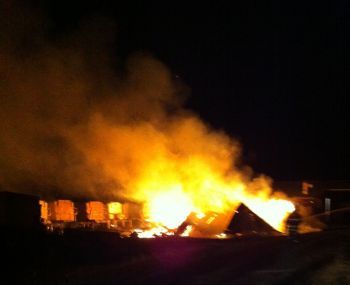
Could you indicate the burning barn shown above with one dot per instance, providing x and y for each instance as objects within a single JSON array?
[
  {"x": 128, "y": 217},
  {"x": 25, "y": 210},
  {"x": 134, "y": 140}
]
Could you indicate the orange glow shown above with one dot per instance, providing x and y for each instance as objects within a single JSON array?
[
  {"x": 206, "y": 201},
  {"x": 221, "y": 236},
  {"x": 153, "y": 232},
  {"x": 62, "y": 210},
  {"x": 187, "y": 232},
  {"x": 44, "y": 210},
  {"x": 96, "y": 211},
  {"x": 114, "y": 209},
  {"x": 273, "y": 211},
  {"x": 169, "y": 209}
]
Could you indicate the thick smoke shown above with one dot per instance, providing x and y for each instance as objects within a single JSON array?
[{"x": 71, "y": 125}]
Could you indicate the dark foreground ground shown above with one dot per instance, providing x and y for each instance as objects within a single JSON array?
[{"x": 104, "y": 258}]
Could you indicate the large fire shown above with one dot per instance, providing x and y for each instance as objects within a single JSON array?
[
  {"x": 182, "y": 172},
  {"x": 168, "y": 210},
  {"x": 196, "y": 192},
  {"x": 90, "y": 129}
]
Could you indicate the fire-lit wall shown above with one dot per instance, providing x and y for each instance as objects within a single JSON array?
[
  {"x": 62, "y": 210},
  {"x": 132, "y": 211},
  {"x": 44, "y": 210},
  {"x": 97, "y": 211},
  {"x": 115, "y": 211},
  {"x": 123, "y": 215}
]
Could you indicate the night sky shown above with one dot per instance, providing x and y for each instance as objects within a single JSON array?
[{"x": 275, "y": 76}]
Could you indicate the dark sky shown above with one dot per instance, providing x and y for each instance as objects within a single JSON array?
[{"x": 274, "y": 75}]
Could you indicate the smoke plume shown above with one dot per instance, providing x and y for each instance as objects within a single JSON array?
[{"x": 72, "y": 124}]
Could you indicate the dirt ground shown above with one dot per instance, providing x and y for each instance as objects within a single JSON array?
[{"x": 105, "y": 258}]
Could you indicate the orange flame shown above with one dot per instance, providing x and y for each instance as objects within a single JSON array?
[
  {"x": 202, "y": 193},
  {"x": 273, "y": 211},
  {"x": 169, "y": 209}
]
